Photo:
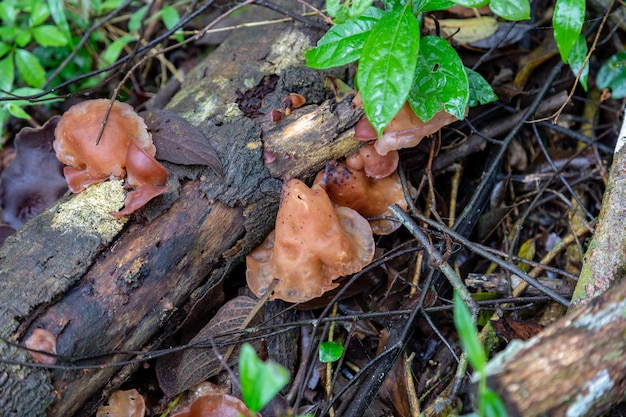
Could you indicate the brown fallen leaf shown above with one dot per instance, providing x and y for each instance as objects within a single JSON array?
[
  {"x": 180, "y": 371},
  {"x": 179, "y": 141}
]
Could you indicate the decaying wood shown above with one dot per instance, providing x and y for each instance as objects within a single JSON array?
[
  {"x": 116, "y": 288},
  {"x": 575, "y": 367}
]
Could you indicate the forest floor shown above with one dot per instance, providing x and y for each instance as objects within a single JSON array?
[{"x": 538, "y": 212}]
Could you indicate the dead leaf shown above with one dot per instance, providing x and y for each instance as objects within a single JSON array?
[
  {"x": 34, "y": 179},
  {"x": 180, "y": 371},
  {"x": 468, "y": 30},
  {"x": 180, "y": 142},
  {"x": 507, "y": 34}
]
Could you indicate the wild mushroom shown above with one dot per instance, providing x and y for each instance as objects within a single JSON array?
[
  {"x": 313, "y": 244},
  {"x": 375, "y": 165},
  {"x": 125, "y": 150},
  {"x": 406, "y": 130},
  {"x": 370, "y": 197},
  {"x": 42, "y": 341},
  {"x": 123, "y": 403}
]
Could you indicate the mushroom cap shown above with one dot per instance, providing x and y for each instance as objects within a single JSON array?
[
  {"x": 313, "y": 244},
  {"x": 123, "y": 403},
  {"x": 375, "y": 165},
  {"x": 44, "y": 341},
  {"x": 370, "y": 197},
  {"x": 77, "y": 133},
  {"x": 125, "y": 150}
]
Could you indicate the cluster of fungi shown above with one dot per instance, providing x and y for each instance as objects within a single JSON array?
[{"x": 323, "y": 233}]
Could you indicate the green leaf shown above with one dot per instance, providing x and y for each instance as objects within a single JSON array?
[
  {"x": 29, "y": 68},
  {"x": 440, "y": 81},
  {"x": 48, "y": 35},
  {"x": 7, "y": 73},
  {"x": 170, "y": 16},
  {"x": 17, "y": 111},
  {"x": 57, "y": 10},
  {"x": 576, "y": 59},
  {"x": 343, "y": 43},
  {"x": 8, "y": 12},
  {"x": 39, "y": 13},
  {"x": 431, "y": 5},
  {"x": 260, "y": 381},
  {"x": 493, "y": 404},
  {"x": 4, "y": 48},
  {"x": 468, "y": 334},
  {"x": 134, "y": 23},
  {"x": 472, "y": 3},
  {"x": 113, "y": 51},
  {"x": 480, "y": 92},
  {"x": 330, "y": 352},
  {"x": 568, "y": 22},
  {"x": 23, "y": 37},
  {"x": 511, "y": 9},
  {"x": 612, "y": 75},
  {"x": 342, "y": 10},
  {"x": 387, "y": 66}
]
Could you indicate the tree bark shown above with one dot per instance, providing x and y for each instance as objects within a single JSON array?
[
  {"x": 576, "y": 367},
  {"x": 100, "y": 286}
]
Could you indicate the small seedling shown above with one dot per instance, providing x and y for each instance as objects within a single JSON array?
[
  {"x": 489, "y": 403},
  {"x": 260, "y": 381}
]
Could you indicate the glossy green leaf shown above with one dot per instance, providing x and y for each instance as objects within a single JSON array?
[
  {"x": 39, "y": 13},
  {"x": 342, "y": 11},
  {"x": 511, "y": 9},
  {"x": 612, "y": 75},
  {"x": 343, "y": 43},
  {"x": 29, "y": 68},
  {"x": 576, "y": 59},
  {"x": 387, "y": 66},
  {"x": 330, "y": 352},
  {"x": 8, "y": 12},
  {"x": 260, "y": 381},
  {"x": 48, "y": 35},
  {"x": 480, "y": 92},
  {"x": 7, "y": 73},
  {"x": 468, "y": 334},
  {"x": 431, "y": 5},
  {"x": 568, "y": 22},
  {"x": 471, "y": 3},
  {"x": 440, "y": 81},
  {"x": 113, "y": 51}
]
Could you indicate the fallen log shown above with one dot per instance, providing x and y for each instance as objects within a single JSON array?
[{"x": 102, "y": 285}]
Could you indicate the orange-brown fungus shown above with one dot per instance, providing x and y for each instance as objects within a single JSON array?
[
  {"x": 44, "y": 341},
  {"x": 216, "y": 405},
  {"x": 313, "y": 244},
  {"x": 125, "y": 150},
  {"x": 375, "y": 165},
  {"x": 405, "y": 130},
  {"x": 123, "y": 404},
  {"x": 370, "y": 197}
]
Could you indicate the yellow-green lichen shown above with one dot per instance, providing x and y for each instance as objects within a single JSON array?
[{"x": 88, "y": 212}]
